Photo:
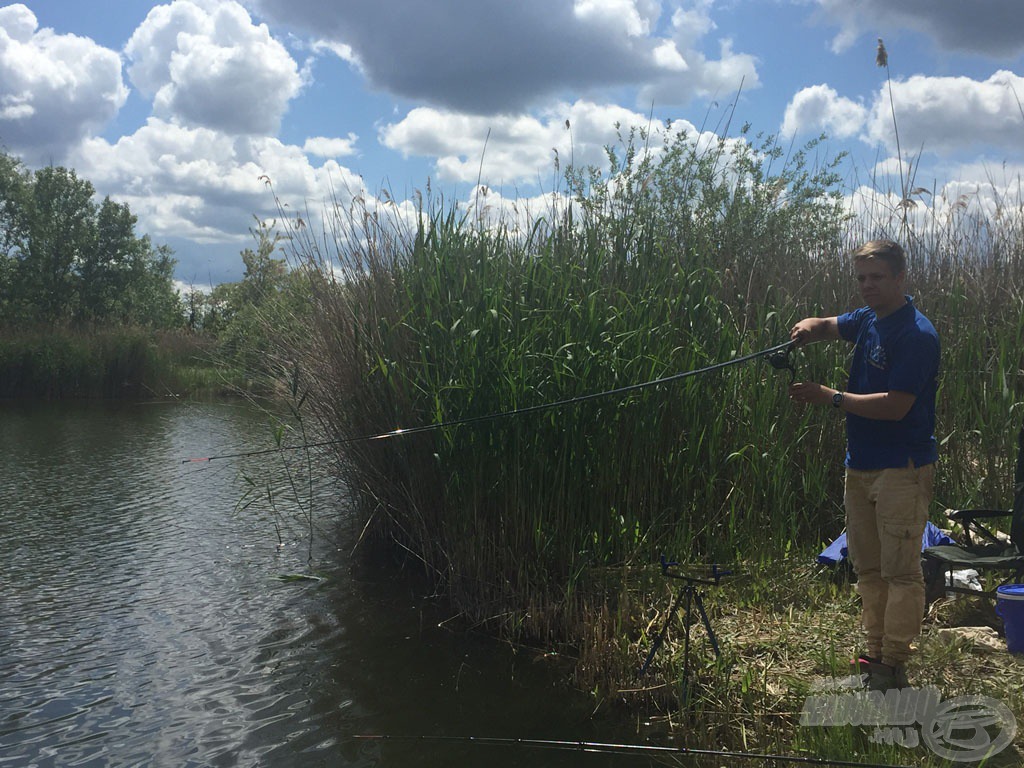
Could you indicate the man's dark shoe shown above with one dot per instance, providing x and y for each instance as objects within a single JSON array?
[{"x": 885, "y": 677}]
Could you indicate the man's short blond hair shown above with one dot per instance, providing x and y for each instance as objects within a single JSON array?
[{"x": 888, "y": 251}]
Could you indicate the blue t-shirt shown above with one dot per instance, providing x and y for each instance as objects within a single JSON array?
[{"x": 898, "y": 353}]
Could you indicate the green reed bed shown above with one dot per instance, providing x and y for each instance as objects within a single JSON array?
[
  {"x": 674, "y": 265},
  {"x": 106, "y": 363},
  {"x": 643, "y": 278},
  {"x": 968, "y": 276},
  {"x": 546, "y": 527}
]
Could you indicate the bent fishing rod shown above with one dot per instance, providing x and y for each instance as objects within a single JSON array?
[
  {"x": 628, "y": 749},
  {"x": 777, "y": 357}
]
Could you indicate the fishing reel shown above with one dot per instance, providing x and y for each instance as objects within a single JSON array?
[{"x": 779, "y": 360}]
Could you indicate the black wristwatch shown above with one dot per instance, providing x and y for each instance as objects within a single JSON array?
[{"x": 837, "y": 400}]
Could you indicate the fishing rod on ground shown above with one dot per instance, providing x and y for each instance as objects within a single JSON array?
[
  {"x": 777, "y": 356},
  {"x": 627, "y": 749}
]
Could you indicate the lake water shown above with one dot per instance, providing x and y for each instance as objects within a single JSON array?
[{"x": 144, "y": 620}]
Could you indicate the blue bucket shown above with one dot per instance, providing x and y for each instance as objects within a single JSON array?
[{"x": 1010, "y": 606}]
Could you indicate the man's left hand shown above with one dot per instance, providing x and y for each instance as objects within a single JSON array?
[{"x": 809, "y": 392}]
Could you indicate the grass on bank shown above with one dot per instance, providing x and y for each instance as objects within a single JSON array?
[{"x": 786, "y": 631}]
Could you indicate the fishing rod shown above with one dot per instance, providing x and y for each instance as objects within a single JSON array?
[
  {"x": 777, "y": 357},
  {"x": 628, "y": 749}
]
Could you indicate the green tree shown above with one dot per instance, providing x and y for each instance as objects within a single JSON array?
[
  {"x": 123, "y": 278},
  {"x": 154, "y": 298},
  {"x": 59, "y": 233},
  {"x": 256, "y": 302},
  {"x": 218, "y": 309},
  {"x": 264, "y": 276},
  {"x": 13, "y": 185},
  {"x": 66, "y": 260},
  {"x": 257, "y": 321},
  {"x": 104, "y": 266}
]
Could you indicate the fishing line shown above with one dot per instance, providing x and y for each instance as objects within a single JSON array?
[
  {"x": 629, "y": 749},
  {"x": 777, "y": 356}
]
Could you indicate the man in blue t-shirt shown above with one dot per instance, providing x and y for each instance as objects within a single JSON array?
[{"x": 889, "y": 404}]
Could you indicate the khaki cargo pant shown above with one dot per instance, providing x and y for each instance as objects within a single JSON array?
[{"x": 886, "y": 512}]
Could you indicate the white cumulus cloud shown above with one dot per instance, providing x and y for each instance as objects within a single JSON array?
[
  {"x": 821, "y": 108},
  {"x": 506, "y": 57},
  {"x": 622, "y": 14},
  {"x": 203, "y": 184},
  {"x": 951, "y": 114},
  {"x": 207, "y": 64},
  {"x": 700, "y": 75},
  {"x": 331, "y": 147},
  {"x": 511, "y": 149},
  {"x": 54, "y": 89}
]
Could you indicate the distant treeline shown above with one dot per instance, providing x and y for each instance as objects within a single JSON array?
[
  {"x": 89, "y": 308},
  {"x": 68, "y": 261}
]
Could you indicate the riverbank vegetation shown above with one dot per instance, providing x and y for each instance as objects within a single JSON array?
[
  {"x": 546, "y": 528},
  {"x": 123, "y": 363},
  {"x": 89, "y": 309}
]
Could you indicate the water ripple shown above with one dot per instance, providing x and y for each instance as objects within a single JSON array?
[
  {"x": 140, "y": 620},
  {"x": 142, "y": 623}
]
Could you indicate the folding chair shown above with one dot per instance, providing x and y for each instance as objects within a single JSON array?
[{"x": 982, "y": 550}]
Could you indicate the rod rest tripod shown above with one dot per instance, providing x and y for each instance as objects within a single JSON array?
[{"x": 689, "y": 594}]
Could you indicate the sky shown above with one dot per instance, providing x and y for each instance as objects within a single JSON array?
[{"x": 206, "y": 115}]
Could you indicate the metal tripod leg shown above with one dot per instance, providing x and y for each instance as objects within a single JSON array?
[
  {"x": 694, "y": 595},
  {"x": 660, "y": 639}
]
